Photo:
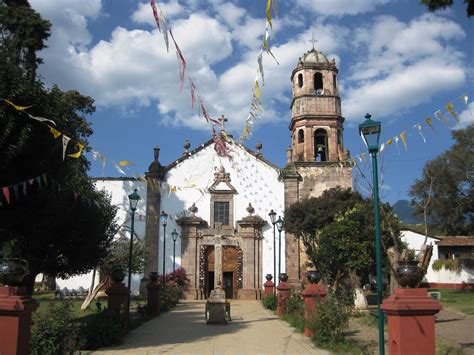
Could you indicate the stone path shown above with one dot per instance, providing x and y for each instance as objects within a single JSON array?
[
  {"x": 253, "y": 330},
  {"x": 457, "y": 329}
]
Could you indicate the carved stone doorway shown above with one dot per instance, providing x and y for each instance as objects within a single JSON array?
[{"x": 231, "y": 270}]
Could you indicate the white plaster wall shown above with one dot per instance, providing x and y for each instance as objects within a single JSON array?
[
  {"x": 255, "y": 181},
  {"x": 415, "y": 241},
  {"x": 119, "y": 191}
]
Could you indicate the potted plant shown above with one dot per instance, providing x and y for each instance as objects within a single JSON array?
[
  {"x": 313, "y": 276},
  {"x": 13, "y": 271},
  {"x": 268, "y": 277},
  {"x": 117, "y": 275},
  {"x": 283, "y": 277}
]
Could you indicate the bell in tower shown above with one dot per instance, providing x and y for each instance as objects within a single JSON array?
[{"x": 316, "y": 119}]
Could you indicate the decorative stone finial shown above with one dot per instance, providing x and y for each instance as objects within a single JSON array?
[
  {"x": 155, "y": 169},
  {"x": 259, "y": 146},
  {"x": 156, "y": 153},
  {"x": 289, "y": 155},
  {"x": 186, "y": 146},
  {"x": 250, "y": 209},
  {"x": 193, "y": 209}
]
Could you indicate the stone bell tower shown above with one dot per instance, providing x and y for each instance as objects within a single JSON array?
[{"x": 317, "y": 160}]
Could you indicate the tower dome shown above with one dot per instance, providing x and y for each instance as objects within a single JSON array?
[{"x": 313, "y": 56}]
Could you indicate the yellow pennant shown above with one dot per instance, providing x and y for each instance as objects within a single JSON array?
[
  {"x": 125, "y": 163},
  {"x": 173, "y": 189},
  {"x": 390, "y": 141},
  {"x": 55, "y": 132},
  {"x": 257, "y": 90},
  {"x": 450, "y": 107},
  {"x": 429, "y": 122},
  {"x": 403, "y": 136},
  {"x": 78, "y": 153},
  {"x": 16, "y": 107},
  {"x": 268, "y": 12}
]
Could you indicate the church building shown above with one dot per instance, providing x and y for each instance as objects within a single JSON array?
[{"x": 218, "y": 207}]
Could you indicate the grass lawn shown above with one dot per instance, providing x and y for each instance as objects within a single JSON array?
[
  {"x": 458, "y": 300},
  {"x": 46, "y": 298}
]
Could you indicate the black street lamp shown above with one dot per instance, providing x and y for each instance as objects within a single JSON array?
[
  {"x": 370, "y": 133},
  {"x": 133, "y": 199},
  {"x": 174, "y": 235},
  {"x": 272, "y": 215},
  {"x": 164, "y": 222},
  {"x": 279, "y": 224}
]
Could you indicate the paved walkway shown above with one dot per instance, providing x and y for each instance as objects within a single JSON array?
[
  {"x": 456, "y": 329},
  {"x": 253, "y": 330}
]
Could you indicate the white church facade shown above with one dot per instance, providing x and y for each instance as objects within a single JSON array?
[{"x": 219, "y": 203}]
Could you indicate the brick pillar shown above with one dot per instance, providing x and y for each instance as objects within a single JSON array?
[
  {"x": 292, "y": 187},
  {"x": 284, "y": 292},
  {"x": 154, "y": 176},
  {"x": 268, "y": 285},
  {"x": 312, "y": 294},
  {"x": 15, "y": 320},
  {"x": 153, "y": 298},
  {"x": 411, "y": 321},
  {"x": 117, "y": 297}
]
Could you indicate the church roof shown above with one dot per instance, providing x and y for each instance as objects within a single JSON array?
[
  {"x": 210, "y": 142},
  {"x": 314, "y": 56}
]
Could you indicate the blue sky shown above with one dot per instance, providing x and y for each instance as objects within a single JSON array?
[{"x": 395, "y": 60}]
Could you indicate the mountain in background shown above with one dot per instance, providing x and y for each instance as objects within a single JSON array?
[{"x": 405, "y": 212}]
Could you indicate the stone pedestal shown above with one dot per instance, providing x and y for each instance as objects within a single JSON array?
[
  {"x": 153, "y": 298},
  {"x": 312, "y": 295},
  {"x": 117, "y": 298},
  {"x": 284, "y": 292},
  {"x": 216, "y": 307},
  {"x": 15, "y": 320},
  {"x": 268, "y": 288},
  {"x": 411, "y": 321}
]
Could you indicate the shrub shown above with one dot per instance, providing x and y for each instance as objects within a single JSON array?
[
  {"x": 103, "y": 329},
  {"x": 329, "y": 321},
  {"x": 437, "y": 265},
  {"x": 294, "y": 311},
  {"x": 270, "y": 302},
  {"x": 55, "y": 331},
  {"x": 169, "y": 296}
]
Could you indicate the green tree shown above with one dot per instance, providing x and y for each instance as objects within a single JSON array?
[
  {"x": 337, "y": 230},
  {"x": 56, "y": 231},
  {"x": 447, "y": 183},
  {"x": 434, "y": 5}
]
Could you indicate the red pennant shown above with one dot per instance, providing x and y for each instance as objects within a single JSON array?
[
  {"x": 155, "y": 13},
  {"x": 182, "y": 62}
]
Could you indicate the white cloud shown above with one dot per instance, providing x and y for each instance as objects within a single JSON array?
[
  {"x": 466, "y": 117},
  {"x": 143, "y": 13},
  {"x": 340, "y": 7},
  {"x": 231, "y": 14},
  {"x": 401, "y": 65}
]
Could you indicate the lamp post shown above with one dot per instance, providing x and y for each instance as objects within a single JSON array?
[
  {"x": 164, "y": 222},
  {"x": 133, "y": 199},
  {"x": 370, "y": 133},
  {"x": 279, "y": 224},
  {"x": 272, "y": 215},
  {"x": 174, "y": 235}
]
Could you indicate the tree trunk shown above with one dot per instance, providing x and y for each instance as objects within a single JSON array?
[{"x": 394, "y": 258}]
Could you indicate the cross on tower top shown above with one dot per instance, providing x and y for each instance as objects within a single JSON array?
[
  {"x": 222, "y": 120},
  {"x": 313, "y": 40}
]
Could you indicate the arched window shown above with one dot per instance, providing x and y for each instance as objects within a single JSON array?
[
  {"x": 321, "y": 145},
  {"x": 300, "y": 136},
  {"x": 318, "y": 81},
  {"x": 334, "y": 83},
  {"x": 300, "y": 80}
]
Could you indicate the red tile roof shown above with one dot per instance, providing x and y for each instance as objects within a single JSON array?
[{"x": 457, "y": 241}]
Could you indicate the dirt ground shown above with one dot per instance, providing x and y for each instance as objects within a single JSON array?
[{"x": 453, "y": 328}]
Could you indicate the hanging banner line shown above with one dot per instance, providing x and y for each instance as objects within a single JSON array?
[{"x": 418, "y": 128}]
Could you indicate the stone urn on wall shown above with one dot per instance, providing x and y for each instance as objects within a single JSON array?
[
  {"x": 117, "y": 275},
  {"x": 313, "y": 276},
  {"x": 268, "y": 277},
  {"x": 283, "y": 277},
  {"x": 409, "y": 274},
  {"x": 13, "y": 271}
]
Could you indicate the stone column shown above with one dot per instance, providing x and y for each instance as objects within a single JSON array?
[
  {"x": 284, "y": 292},
  {"x": 190, "y": 227},
  {"x": 311, "y": 295},
  {"x": 154, "y": 176},
  {"x": 292, "y": 187},
  {"x": 411, "y": 321},
  {"x": 117, "y": 297},
  {"x": 15, "y": 320}
]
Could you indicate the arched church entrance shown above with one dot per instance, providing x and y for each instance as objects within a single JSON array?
[{"x": 231, "y": 270}]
